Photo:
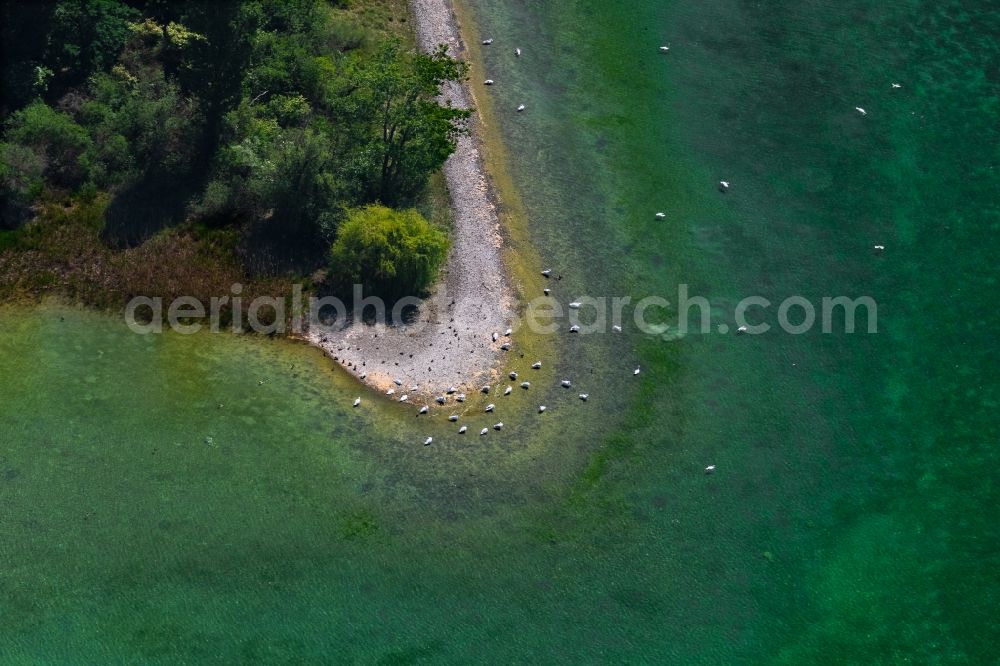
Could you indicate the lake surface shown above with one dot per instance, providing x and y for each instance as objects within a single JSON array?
[{"x": 212, "y": 497}]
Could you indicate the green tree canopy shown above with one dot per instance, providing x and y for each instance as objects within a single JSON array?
[{"x": 390, "y": 252}]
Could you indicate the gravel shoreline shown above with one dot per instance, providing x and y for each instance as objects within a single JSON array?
[{"x": 451, "y": 345}]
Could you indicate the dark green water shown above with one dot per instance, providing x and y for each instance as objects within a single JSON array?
[{"x": 852, "y": 518}]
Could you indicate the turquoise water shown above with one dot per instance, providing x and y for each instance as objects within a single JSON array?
[{"x": 212, "y": 498}]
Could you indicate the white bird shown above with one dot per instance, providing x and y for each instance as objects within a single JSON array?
[
  {"x": 661, "y": 216},
  {"x": 546, "y": 291},
  {"x": 428, "y": 441},
  {"x": 541, "y": 408},
  {"x": 536, "y": 365},
  {"x": 723, "y": 185},
  {"x": 664, "y": 49},
  {"x": 861, "y": 111},
  {"x": 487, "y": 42},
  {"x": 575, "y": 305},
  {"x": 498, "y": 426},
  {"x": 710, "y": 469},
  {"x": 414, "y": 388},
  {"x": 451, "y": 389},
  {"x": 525, "y": 385},
  {"x": 390, "y": 391},
  {"x": 896, "y": 85},
  {"x": 488, "y": 82},
  {"x": 453, "y": 417},
  {"x": 508, "y": 332},
  {"x": 517, "y": 52},
  {"x": 439, "y": 400},
  {"x": 484, "y": 431},
  {"x": 616, "y": 328},
  {"x": 489, "y": 407},
  {"x": 496, "y": 336},
  {"x": 513, "y": 375},
  {"x": 879, "y": 248},
  {"x": 460, "y": 397},
  {"x": 637, "y": 370},
  {"x": 584, "y": 396},
  {"x": 362, "y": 375},
  {"x": 520, "y": 108},
  {"x": 423, "y": 410},
  {"x": 505, "y": 346},
  {"x": 403, "y": 398},
  {"x": 357, "y": 401},
  {"x": 507, "y": 390},
  {"x": 574, "y": 329},
  {"x": 741, "y": 330},
  {"x": 461, "y": 431},
  {"x": 485, "y": 389},
  {"x": 566, "y": 383},
  {"x": 547, "y": 272},
  {"x": 397, "y": 382}
]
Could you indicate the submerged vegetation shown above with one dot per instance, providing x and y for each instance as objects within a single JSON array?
[{"x": 165, "y": 148}]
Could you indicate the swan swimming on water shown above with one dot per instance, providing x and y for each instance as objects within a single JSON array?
[
  {"x": 616, "y": 328},
  {"x": 584, "y": 396},
  {"x": 710, "y": 469},
  {"x": 723, "y": 185},
  {"x": 574, "y": 329},
  {"x": 488, "y": 82},
  {"x": 664, "y": 49},
  {"x": 520, "y": 108},
  {"x": 575, "y": 305},
  {"x": 517, "y": 52},
  {"x": 660, "y": 216},
  {"x": 487, "y": 42},
  {"x": 636, "y": 371},
  {"x": 896, "y": 85},
  {"x": 547, "y": 272},
  {"x": 541, "y": 408},
  {"x": 861, "y": 111}
]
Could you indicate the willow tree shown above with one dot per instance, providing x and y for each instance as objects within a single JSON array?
[{"x": 390, "y": 252}]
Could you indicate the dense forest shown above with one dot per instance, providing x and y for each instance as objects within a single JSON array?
[{"x": 162, "y": 147}]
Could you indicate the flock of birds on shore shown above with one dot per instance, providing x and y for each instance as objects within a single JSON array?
[{"x": 513, "y": 375}]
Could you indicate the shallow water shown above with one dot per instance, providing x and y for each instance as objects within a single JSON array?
[{"x": 851, "y": 516}]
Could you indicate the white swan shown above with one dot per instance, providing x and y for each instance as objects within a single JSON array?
[
  {"x": 453, "y": 417},
  {"x": 487, "y": 42},
  {"x": 357, "y": 401},
  {"x": 525, "y": 385},
  {"x": 660, "y": 216},
  {"x": 498, "y": 426},
  {"x": 566, "y": 383},
  {"x": 584, "y": 396},
  {"x": 517, "y": 52},
  {"x": 541, "y": 408},
  {"x": 428, "y": 441},
  {"x": 423, "y": 410},
  {"x": 484, "y": 431},
  {"x": 536, "y": 365},
  {"x": 574, "y": 329},
  {"x": 861, "y": 111},
  {"x": 507, "y": 390},
  {"x": 461, "y": 431},
  {"x": 575, "y": 305},
  {"x": 520, "y": 108},
  {"x": 489, "y": 407},
  {"x": 488, "y": 82}
]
